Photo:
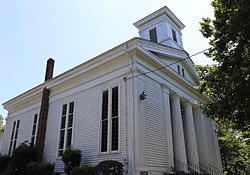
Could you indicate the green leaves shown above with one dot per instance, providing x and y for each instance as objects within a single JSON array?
[
  {"x": 227, "y": 83},
  {"x": 71, "y": 158},
  {"x": 1, "y": 124},
  {"x": 206, "y": 27},
  {"x": 235, "y": 150}
]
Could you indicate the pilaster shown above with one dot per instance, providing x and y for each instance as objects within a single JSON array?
[{"x": 168, "y": 127}]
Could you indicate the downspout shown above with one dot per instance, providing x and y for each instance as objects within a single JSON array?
[
  {"x": 133, "y": 113},
  {"x": 43, "y": 115}
]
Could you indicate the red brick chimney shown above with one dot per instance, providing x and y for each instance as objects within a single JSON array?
[
  {"x": 49, "y": 69},
  {"x": 43, "y": 115}
]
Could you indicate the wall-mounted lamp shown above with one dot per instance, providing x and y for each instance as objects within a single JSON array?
[{"x": 143, "y": 95}]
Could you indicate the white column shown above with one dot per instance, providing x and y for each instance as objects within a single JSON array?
[
  {"x": 200, "y": 130},
  {"x": 190, "y": 137},
  {"x": 178, "y": 135},
  {"x": 168, "y": 128}
]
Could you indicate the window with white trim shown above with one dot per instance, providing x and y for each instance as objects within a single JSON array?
[
  {"x": 34, "y": 130},
  {"x": 14, "y": 134},
  {"x": 174, "y": 35},
  {"x": 110, "y": 120},
  {"x": 66, "y": 127},
  {"x": 153, "y": 35}
]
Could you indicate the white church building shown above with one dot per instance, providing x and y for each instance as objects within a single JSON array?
[{"x": 135, "y": 103}]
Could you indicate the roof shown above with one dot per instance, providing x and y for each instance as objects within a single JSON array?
[
  {"x": 139, "y": 44},
  {"x": 163, "y": 11}
]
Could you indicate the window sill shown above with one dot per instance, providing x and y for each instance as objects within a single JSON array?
[{"x": 109, "y": 153}]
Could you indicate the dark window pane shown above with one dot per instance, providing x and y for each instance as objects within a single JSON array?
[
  {"x": 115, "y": 102},
  {"x": 183, "y": 72},
  {"x": 14, "y": 146},
  {"x": 71, "y": 107},
  {"x": 32, "y": 140},
  {"x": 64, "y": 110},
  {"x": 34, "y": 130},
  {"x": 35, "y": 119},
  {"x": 17, "y": 126},
  {"x": 63, "y": 122},
  {"x": 115, "y": 132},
  {"x": 60, "y": 152},
  {"x": 70, "y": 121},
  {"x": 61, "y": 142},
  {"x": 10, "y": 147},
  {"x": 153, "y": 35},
  {"x": 104, "y": 141},
  {"x": 12, "y": 135},
  {"x": 69, "y": 137},
  {"x": 105, "y": 104},
  {"x": 174, "y": 35},
  {"x": 179, "y": 70},
  {"x": 14, "y": 125},
  {"x": 16, "y": 134}
]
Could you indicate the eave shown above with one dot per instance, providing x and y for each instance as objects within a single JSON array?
[
  {"x": 128, "y": 46},
  {"x": 163, "y": 11}
]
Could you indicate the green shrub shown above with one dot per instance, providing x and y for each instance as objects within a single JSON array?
[
  {"x": 84, "y": 170},
  {"x": 108, "y": 167},
  {"x": 36, "y": 168},
  {"x": 71, "y": 158},
  {"x": 21, "y": 156},
  {"x": 4, "y": 160}
]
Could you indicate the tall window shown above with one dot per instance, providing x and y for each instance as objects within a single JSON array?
[
  {"x": 153, "y": 35},
  {"x": 14, "y": 134},
  {"x": 183, "y": 72},
  {"x": 110, "y": 120},
  {"x": 34, "y": 130},
  {"x": 174, "y": 35},
  {"x": 178, "y": 69},
  {"x": 66, "y": 127}
]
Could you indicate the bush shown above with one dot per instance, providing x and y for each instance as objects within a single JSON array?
[
  {"x": 36, "y": 168},
  {"x": 84, "y": 170},
  {"x": 21, "y": 156},
  {"x": 110, "y": 167},
  {"x": 4, "y": 160},
  {"x": 71, "y": 158}
]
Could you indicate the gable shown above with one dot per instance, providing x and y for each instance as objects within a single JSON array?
[{"x": 180, "y": 66}]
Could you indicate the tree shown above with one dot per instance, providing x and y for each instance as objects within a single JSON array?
[
  {"x": 1, "y": 124},
  {"x": 235, "y": 150},
  {"x": 234, "y": 145},
  {"x": 229, "y": 81}
]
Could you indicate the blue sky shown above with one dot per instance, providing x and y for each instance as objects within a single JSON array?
[{"x": 73, "y": 31}]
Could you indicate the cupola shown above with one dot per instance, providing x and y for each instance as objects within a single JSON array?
[{"x": 161, "y": 27}]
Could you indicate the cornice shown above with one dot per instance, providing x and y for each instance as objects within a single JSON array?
[{"x": 163, "y": 11}]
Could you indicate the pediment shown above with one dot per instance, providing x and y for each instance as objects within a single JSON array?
[{"x": 183, "y": 67}]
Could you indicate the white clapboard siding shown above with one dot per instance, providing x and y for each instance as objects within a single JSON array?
[
  {"x": 25, "y": 128},
  {"x": 86, "y": 125},
  {"x": 156, "y": 145},
  {"x": 6, "y": 137},
  {"x": 52, "y": 131}
]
